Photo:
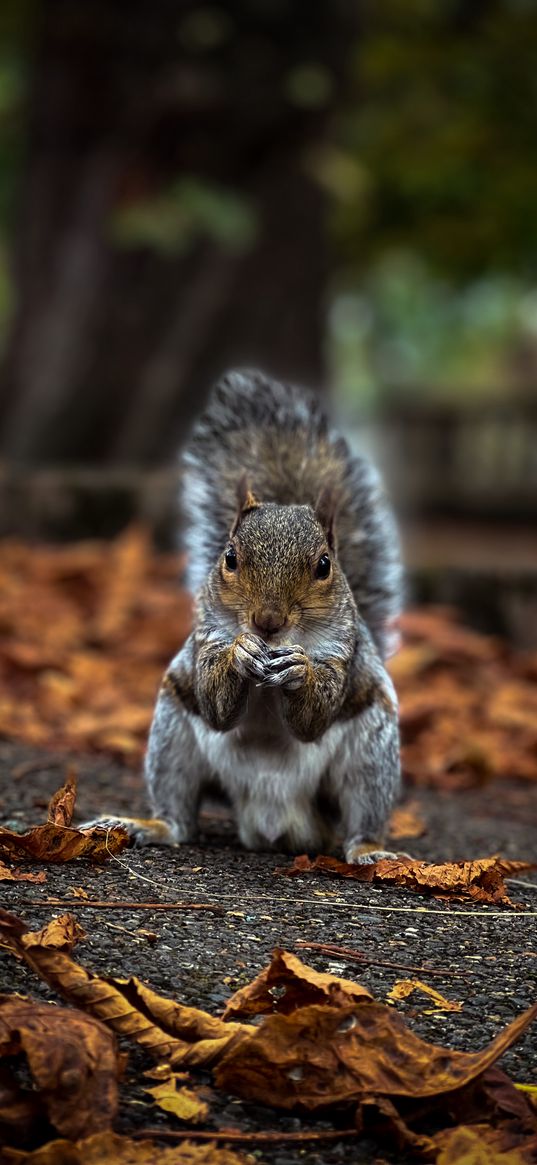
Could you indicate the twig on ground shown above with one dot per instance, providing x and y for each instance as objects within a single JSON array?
[
  {"x": 358, "y": 957},
  {"x": 252, "y": 1138},
  {"x": 97, "y": 904}
]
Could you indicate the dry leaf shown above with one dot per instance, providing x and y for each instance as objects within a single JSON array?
[
  {"x": 467, "y": 1146},
  {"x": 405, "y": 821},
  {"x": 111, "y": 1149},
  {"x": 58, "y": 842},
  {"x": 8, "y": 875},
  {"x": 167, "y": 1030},
  {"x": 322, "y": 1055},
  {"x": 72, "y": 1058},
  {"x": 378, "y": 1118},
  {"x": 62, "y": 803},
  {"x": 404, "y": 987},
  {"x": 480, "y": 880},
  {"x": 335, "y": 1052},
  {"x": 288, "y": 983},
  {"x": 61, "y": 933},
  {"x": 182, "y": 1102}
]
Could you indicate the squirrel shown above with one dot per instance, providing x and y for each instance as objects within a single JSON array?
[{"x": 279, "y": 697}]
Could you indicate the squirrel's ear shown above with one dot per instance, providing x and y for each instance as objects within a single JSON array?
[
  {"x": 326, "y": 511},
  {"x": 246, "y": 500}
]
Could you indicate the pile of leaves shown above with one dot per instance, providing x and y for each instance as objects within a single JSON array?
[
  {"x": 468, "y": 703},
  {"x": 87, "y": 630},
  {"x": 85, "y": 633},
  {"x": 323, "y": 1045}
]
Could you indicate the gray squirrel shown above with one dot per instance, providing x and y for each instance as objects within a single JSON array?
[{"x": 279, "y": 697}]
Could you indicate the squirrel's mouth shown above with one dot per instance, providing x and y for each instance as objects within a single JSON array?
[{"x": 270, "y": 634}]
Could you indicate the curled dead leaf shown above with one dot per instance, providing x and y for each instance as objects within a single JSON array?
[
  {"x": 288, "y": 983},
  {"x": 167, "y": 1030},
  {"x": 72, "y": 1058},
  {"x": 481, "y": 880},
  {"x": 57, "y": 840},
  {"x": 320, "y": 1055},
  {"x": 62, "y": 803},
  {"x": 61, "y": 933}
]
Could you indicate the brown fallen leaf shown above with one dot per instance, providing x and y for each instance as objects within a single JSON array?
[
  {"x": 183, "y": 1102},
  {"x": 288, "y": 983},
  {"x": 14, "y": 875},
  {"x": 167, "y": 1030},
  {"x": 72, "y": 1058},
  {"x": 321, "y": 1055},
  {"x": 404, "y": 987},
  {"x": 61, "y": 933},
  {"x": 471, "y": 1146},
  {"x": 406, "y": 821},
  {"x": 378, "y": 1118},
  {"x": 481, "y": 880},
  {"x": 492, "y": 1095},
  {"x": 112, "y": 1149},
  {"x": 62, "y": 803},
  {"x": 57, "y": 841}
]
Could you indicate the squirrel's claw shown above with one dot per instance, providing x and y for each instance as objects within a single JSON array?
[
  {"x": 250, "y": 656},
  {"x": 287, "y": 668}
]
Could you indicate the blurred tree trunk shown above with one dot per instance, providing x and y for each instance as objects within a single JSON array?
[{"x": 113, "y": 346}]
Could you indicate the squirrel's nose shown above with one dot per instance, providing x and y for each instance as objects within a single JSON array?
[{"x": 267, "y": 622}]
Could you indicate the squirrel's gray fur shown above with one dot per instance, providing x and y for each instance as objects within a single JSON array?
[{"x": 279, "y": 696}]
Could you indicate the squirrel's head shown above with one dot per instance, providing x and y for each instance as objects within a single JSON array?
[{"x": 278, "y": 574}]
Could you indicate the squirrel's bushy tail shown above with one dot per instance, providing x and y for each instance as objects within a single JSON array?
[{"x": 281, "y": 438}]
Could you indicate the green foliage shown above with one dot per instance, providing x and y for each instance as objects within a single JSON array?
[
  {"x": 441, "y": 117},
  {"x": 407, "y": 332},
  {"x": 187, "y": 210}
]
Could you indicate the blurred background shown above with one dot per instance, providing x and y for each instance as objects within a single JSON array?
[{"x": 342, "y": 193}]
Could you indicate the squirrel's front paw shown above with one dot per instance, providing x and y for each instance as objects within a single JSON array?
[
  {"x": 250, "y": 655},
  {"x": 287, "y": 668}
]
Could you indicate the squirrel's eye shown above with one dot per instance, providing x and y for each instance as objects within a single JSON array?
[
  {"x": 230, "y": 559},
  {"x": 322, "y": 570}
]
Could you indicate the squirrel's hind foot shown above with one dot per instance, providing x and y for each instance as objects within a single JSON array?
[
  {"x": 141, "y": 830},
  {"x": 365, "y": 854}
]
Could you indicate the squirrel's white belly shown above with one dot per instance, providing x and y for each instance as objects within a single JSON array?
[{"x": 270, "y": 777}]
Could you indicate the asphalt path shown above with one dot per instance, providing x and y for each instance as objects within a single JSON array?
[{"x": 484, "y": 957}]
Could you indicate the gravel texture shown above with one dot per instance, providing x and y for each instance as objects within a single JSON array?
[{"x": 487, "y": 955}]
